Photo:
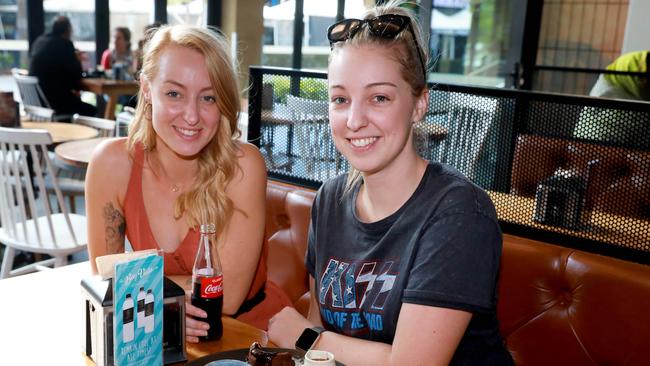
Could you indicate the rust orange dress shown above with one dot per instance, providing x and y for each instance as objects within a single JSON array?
[{"x": 264, "y": 298}]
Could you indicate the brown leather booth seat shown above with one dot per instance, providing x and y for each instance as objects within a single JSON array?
[
  {"x": 619, "y": 183},
  {"x": 557, "y": 306},
  {"x": 287, "y": 223}
]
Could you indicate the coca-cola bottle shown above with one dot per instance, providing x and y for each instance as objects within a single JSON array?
[{"x": 207, "y": 277}]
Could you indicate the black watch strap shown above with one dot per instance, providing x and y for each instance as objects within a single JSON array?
[{"x": 308, "y": 337}]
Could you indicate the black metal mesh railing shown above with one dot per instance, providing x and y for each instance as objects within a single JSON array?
[
  {"x": 584, "y": 81},
  {"x": 566, "y": 169},
  {"x": 294, "y": 127}
]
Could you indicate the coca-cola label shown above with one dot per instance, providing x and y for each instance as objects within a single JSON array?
[{"x": 211, "y": 287}]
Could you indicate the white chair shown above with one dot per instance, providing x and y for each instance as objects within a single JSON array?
[
  {"x": 310, "y": 120},
  {"x": 39, "y": 114},
  {"x": 105, "y": 127},
  {"x": 30, "y": 221},
  {"x": 124, "y": 120},
  {"x": 31, "y": 94},
  {"x": 468, "y": 124},
  {"x": 30, "y": 91},
  {"x": 71, "y": 179}
]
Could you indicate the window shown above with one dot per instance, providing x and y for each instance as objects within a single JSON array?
[
  {"x": 469, "y": 41},
  {"x": 82, "y": 18},
  {"x": 318, "y": 30},
  {"x": 269, "y": 38},
  {"x": 581, "y": 33},
  {"x": 13, "y": 35},
  {"x": 133, "y": 14},
  {"x": 186, "y": 12},
  {"x": 278, "y": 23},
  {"x": 578, "y": 34},
  {"x": 319, "y": 15}
]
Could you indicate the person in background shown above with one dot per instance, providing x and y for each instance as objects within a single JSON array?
[
  {"x": 58, "y": 68},
  {"x": 121, "y": 55},
  {"x": 409, "y": 275},
  {"x": 121, "y": 52},
  {"x": 183, "y": 165},
  {"x": 618, "y": 127},
  {"x": 625, "y": 86}
]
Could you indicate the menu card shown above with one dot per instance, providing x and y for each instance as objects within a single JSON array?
[{"x": 138, "y": 315}]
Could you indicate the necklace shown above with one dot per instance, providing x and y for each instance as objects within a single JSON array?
[{"x": 162, "y": 176}]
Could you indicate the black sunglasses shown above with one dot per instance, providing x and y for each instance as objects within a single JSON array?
[{"x": 383, "y": 26}]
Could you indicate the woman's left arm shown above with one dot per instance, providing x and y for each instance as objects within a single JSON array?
[
  {"x": 425, "y": 335},
  {"x": 241, "y": 246}
]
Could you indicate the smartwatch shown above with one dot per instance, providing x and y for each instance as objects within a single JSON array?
[{"x": 308, "y": 338}]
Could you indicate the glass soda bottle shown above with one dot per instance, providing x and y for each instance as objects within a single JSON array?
[{"x": 207, "y": 282}]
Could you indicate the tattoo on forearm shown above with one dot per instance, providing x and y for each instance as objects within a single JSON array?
[{"x": 115, "y": 229}]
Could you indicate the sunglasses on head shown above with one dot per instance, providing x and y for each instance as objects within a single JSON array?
[{"x": 382, "y": 26}]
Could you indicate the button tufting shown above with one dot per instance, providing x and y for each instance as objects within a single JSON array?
[{"x": 566, "y": 298}]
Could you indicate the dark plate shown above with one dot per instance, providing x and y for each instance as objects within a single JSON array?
[
  {"x": 239, "y": 354},
  {"x": 236, "y": 354}
]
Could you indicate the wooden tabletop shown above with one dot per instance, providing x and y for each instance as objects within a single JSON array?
[
  {"x": 78, "y": 153},
  {"x": 605, "y": 227},
  {"x": 236, "y": 335},
  {"x": 41, "y": 318},
  {"x": 112, "y": 89},
  {"x": 62, "y": 132},
  {"x": 280, "y": 114}
]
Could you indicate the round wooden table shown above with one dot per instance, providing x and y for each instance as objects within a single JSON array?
[
  {"x": 62, "y": 132},
  {"x": 78, "y": 153}
]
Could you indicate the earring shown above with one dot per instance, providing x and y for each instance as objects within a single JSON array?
[{"x": 147, "y": 111}]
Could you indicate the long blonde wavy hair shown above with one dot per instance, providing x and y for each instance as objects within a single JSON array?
[
  {"x": 406, "y": 54},
  {"x": 205, "y": 201}
]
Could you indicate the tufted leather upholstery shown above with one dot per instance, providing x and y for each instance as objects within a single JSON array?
[
  {"x": 619, "y": 184},
  {"x": 557, "y": 306},
  {"x": 287, "y": 223},
  {"x": 567, "y": 307}
]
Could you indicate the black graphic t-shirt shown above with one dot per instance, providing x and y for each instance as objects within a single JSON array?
[{"x": 441, "y": 248}]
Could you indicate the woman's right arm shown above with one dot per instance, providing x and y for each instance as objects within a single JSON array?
[
  {"x": 434, "y": 332},
  {"x": 106, "y": 181}
]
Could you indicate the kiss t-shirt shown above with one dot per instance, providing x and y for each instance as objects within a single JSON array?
[{"x": 441, "y": 248}]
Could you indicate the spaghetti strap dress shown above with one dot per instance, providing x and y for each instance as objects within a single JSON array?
[{"x": 264, "y": 297}]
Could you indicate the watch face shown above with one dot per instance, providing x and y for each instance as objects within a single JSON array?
[{"x": 307, "y": 338}]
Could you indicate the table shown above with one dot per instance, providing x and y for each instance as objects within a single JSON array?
[
  {"x": 62, "y": 132},
  {"x": 78, "y": 153},
  {"x": 605, "y": 227},
  {"x": 41, "y": 318},
  {"x": 112, "y": 89},
  {"x": 279, "y": 115}
]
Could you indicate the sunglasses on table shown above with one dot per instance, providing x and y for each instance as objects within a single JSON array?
[{"x": 383, "y": 26}]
